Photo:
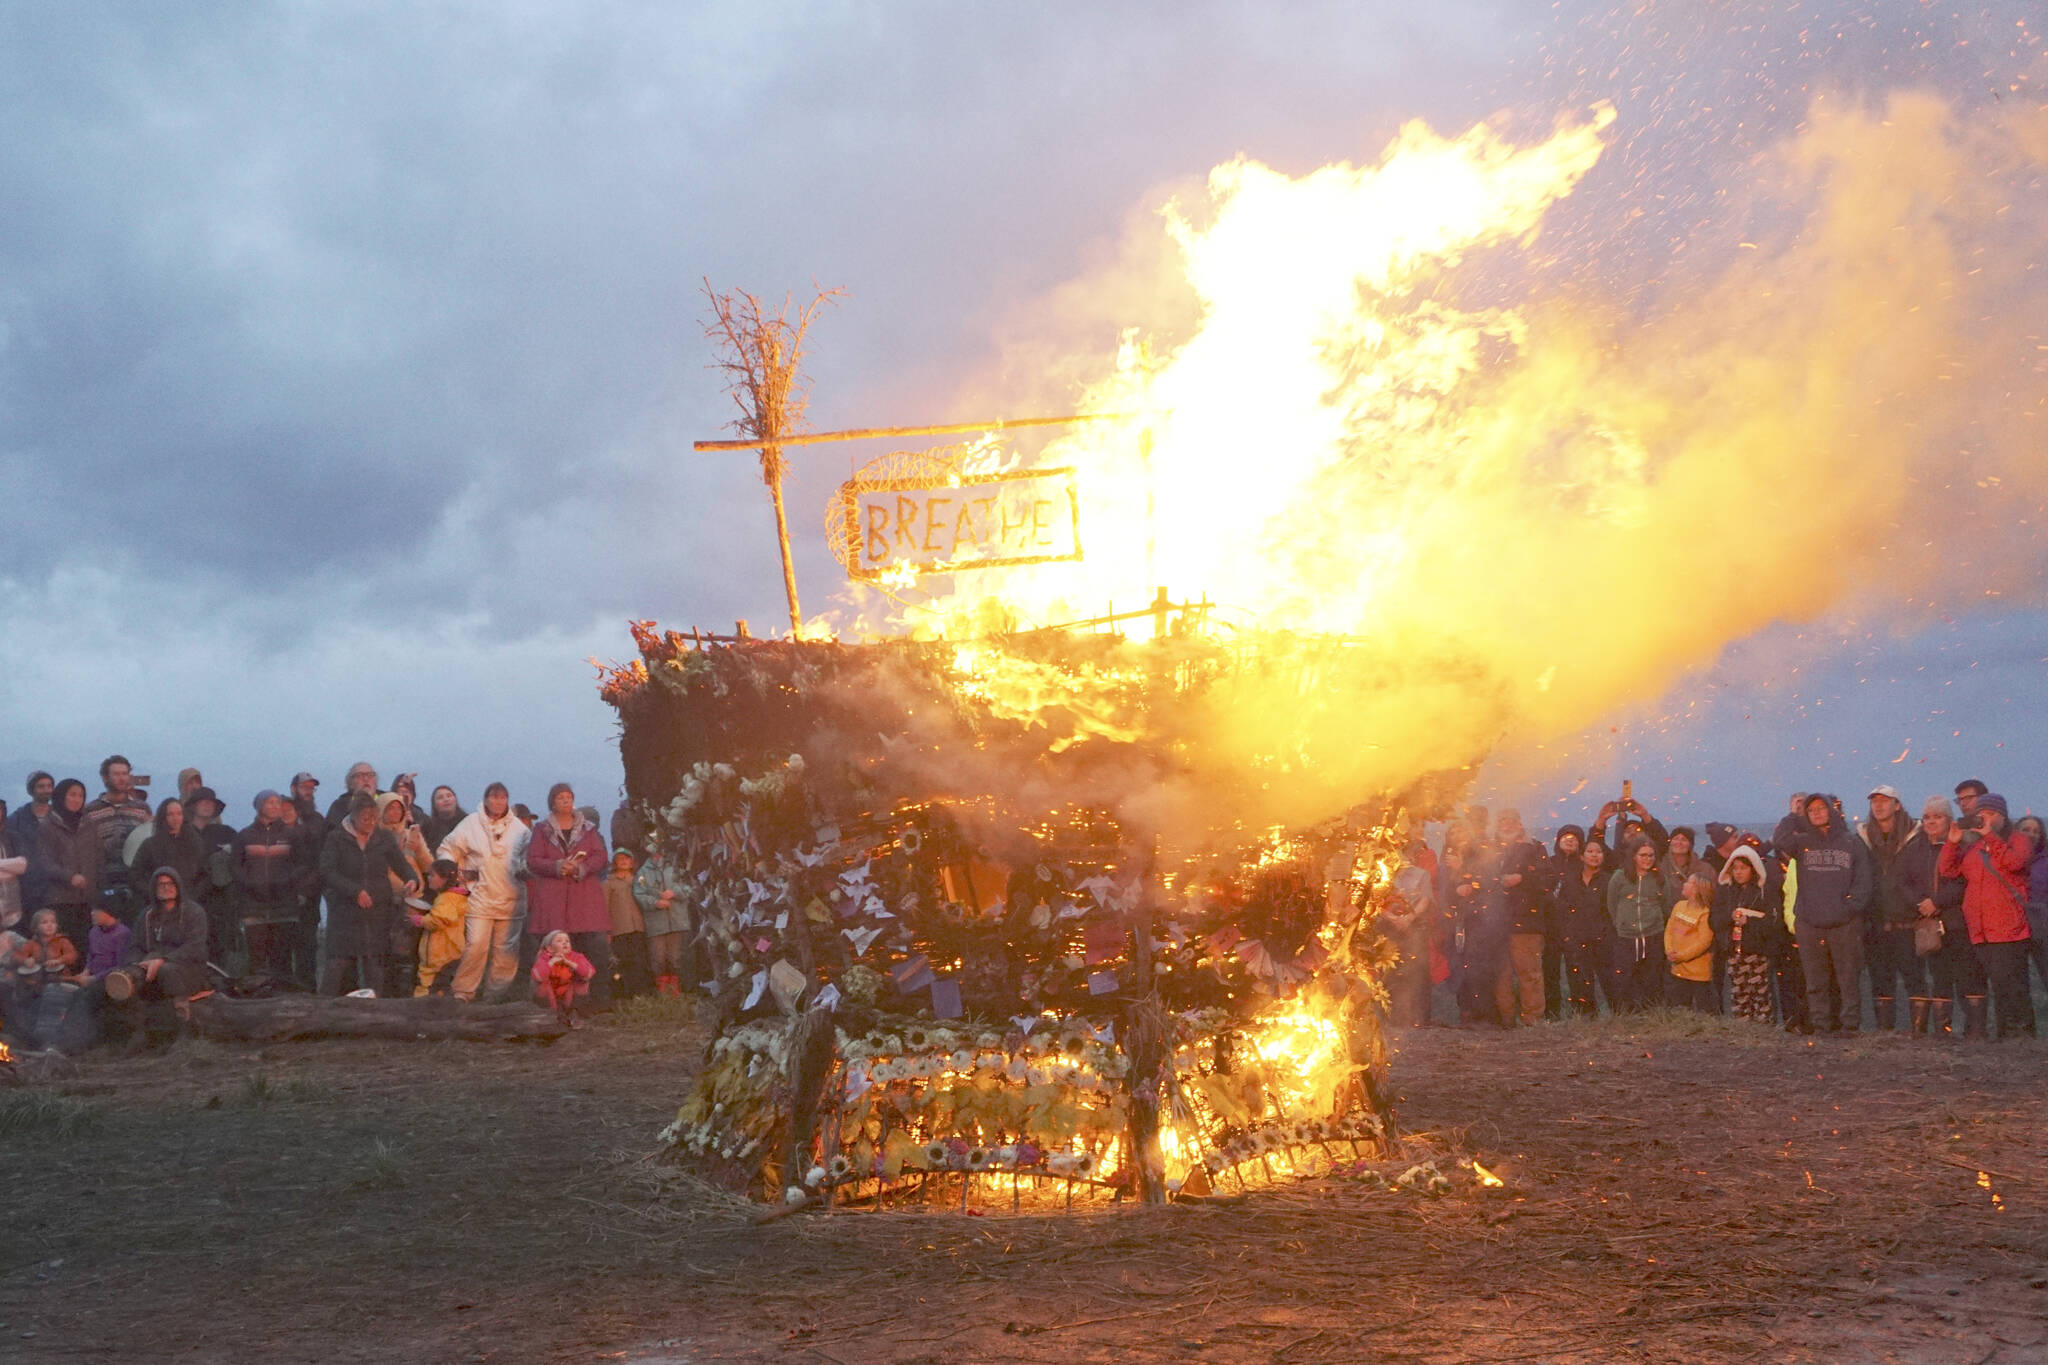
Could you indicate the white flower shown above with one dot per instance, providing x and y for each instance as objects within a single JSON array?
[
  {"x": 1006, "y": 1155},
  {"x": 814, "y": 1177},
  {"x": 793, "y": 1195},
  {"x": 963, "y": 1060}
]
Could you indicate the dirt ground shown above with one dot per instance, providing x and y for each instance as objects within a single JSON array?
[{"x": 1677, "y": 1190}]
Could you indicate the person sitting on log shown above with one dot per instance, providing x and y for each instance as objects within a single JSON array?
[
  {"x": 106, "y": 948},
  {"x": 561, "y": 977},
  {"x": 170, "y": 963}
]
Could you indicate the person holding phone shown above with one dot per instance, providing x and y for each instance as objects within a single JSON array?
[
  {"x": 1993, "y": 869},
  {"x": 565, "y": 865}
]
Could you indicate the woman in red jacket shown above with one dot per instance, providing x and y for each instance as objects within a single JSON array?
[
  {"x": 1993, "y": 869},
  {"x": 565, "y": 866}
]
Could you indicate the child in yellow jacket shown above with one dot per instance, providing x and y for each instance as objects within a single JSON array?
[
  {"x": 1689, "y": 946},
  {"x": 442, "y": 938}
]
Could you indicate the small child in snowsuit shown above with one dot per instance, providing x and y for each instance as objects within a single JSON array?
[
  {"x": 442, "y": 936},
  {"x": 561, "y": 977}
]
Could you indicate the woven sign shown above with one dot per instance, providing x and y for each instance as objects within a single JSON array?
[{"x": 926, "y": 526}]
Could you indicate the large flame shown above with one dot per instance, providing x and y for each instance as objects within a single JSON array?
[{"x": 1379, "y": 426}]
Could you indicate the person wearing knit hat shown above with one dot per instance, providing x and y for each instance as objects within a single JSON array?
[
  {"x": 1994, "y": 873},
  {"x": 268, "y": 857}
]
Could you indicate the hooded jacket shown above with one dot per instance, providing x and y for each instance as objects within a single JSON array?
[
  {"x": 1833, "y": 886},
  {"x": 1754, "y": 907},
  {"x": 657, "y": 875},
  {"x": 495, "y": 852},
  {"x": 180, "y": 935},
  {"x": 1888, "y": 902},
  {"x": 1994, "y": 871},
  {"x": 67, "y": 849}
]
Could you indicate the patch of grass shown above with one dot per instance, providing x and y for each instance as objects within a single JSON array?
[
  {"x": 40, "y": 1114},
  {"x": 1669, "y": 1023},
  {"x": 380, "y": 1168},
  {"x": 257, "y": 1088},
  {"x": 670, "y": 1011}
]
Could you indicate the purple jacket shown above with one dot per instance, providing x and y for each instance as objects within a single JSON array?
[
  {"x": 105, "y": 949},
  {"x": 554, "y": 901}
]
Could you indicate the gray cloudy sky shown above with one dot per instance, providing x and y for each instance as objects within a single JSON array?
[{"x": 349, "y": 354}]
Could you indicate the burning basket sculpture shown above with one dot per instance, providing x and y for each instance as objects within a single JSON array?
[{"x": 957, "y": 922}]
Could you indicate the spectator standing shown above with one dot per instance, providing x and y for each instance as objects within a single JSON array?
[
  {"x": 628, "y": 929},
  {"x": 1689, "y": 945},
  {"x": 110, "y": 819},
  {"x": 1941, "y": 934},
  {"x": 1406, "y": 921},
  {"x": 361, "y": 777},
  {"x": 1888, "y": 937},
  {"x": 1993, "y": 869},
  {"x": 309, "y": 837},
  {"x": 565, "y": 861},
  {"x": 69, "y": 856},
  {"x": 1831, "y": 894},
  {"x": 266, "y": 858},
  {"x": 1679, "y": 864},
  {"x": 1638, "y": 900},
  {"x": 1969, "y": 792},
  {"x": 1523, "y": 871},
  {"x": 1584, "y": 929},
  {"x": 1461, "y": 893},
  {"x": 358, "y": 867},
  {"x": 305, "y": 795},
  {"x": 490, "y": 848},
  {"x": 1564, "y": 861},
  {"x": 2037, "y": 891},
  {"x": 395, "y": 815},
  {"x": 25, "y": 834},
  {"x": 172, "y": 843},
  {"x": 446, "y": 814},
  {"x": 1746, "y": 928}
]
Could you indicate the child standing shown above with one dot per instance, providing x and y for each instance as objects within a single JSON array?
[
  {"x": 629, "y": 931},
  {"x": 1747, "y": 925},
  {"x": 561, "y": 977},
  {"x": 441, "y": 937},
  {"x": 1689, "y": 944}
]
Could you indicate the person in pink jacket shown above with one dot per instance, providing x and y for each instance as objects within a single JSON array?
[
  {"x": 565, "y": 868},
  {"x": 561, "y": 977}
]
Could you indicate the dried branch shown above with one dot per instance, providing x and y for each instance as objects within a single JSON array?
[{"x": 762, "y": 355}]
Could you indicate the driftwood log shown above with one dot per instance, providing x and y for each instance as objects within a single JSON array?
[{"x": 284, "y": 1017}]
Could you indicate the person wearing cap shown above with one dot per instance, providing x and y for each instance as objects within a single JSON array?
[
  {"x": 1888, "y": 931},
  {"x": 1722, "y": 841},
  {"x": 1830, "y": 896},
  {"x": 362, "y": 777},
  {"x": 266, "y": 858},
  {"x": 1994, "y": 870}
]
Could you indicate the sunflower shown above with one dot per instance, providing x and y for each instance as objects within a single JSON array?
[
  {"x": 935, "y": 1155},
  {"x": 977, "y": 1158},
  {"x": 917, "y": 1039},
  {"x": 1085, "y": 1165},
  {"x": 837, "y": 1168}
]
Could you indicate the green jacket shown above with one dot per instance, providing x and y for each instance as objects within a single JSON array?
[{"x": 1638, "y": 908}]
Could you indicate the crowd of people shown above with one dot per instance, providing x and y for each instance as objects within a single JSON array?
[
  {"x": 1942, "y": 914},
  {"x": 110, "y": 903}
]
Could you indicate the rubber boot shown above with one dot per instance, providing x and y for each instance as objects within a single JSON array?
[
  {"x": 1975, "y": 1014},
  {"x": 1887, "y": 1012},
  {"x": 1919, "y": 1005},
  {"x": 668, "y": 985},
  {"x": 1938, "y": 1017}
]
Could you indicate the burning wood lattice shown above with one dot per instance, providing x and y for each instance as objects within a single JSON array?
[{"x": 951, "y": 937}]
